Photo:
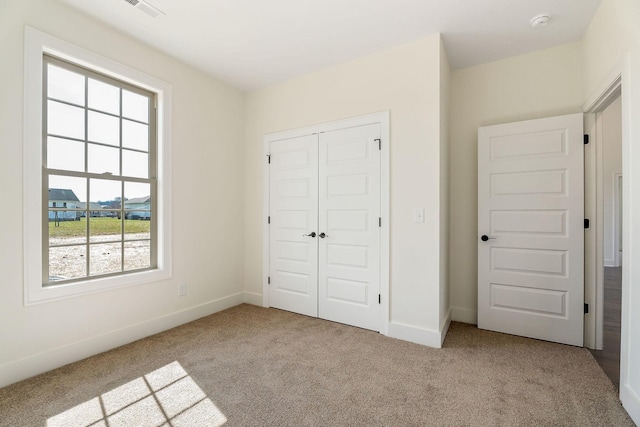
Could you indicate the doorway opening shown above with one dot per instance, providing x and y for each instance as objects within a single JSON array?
[{"x": 608, "y": 140}]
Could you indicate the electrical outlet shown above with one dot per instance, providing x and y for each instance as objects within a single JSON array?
[{"x": 182, "y": 290}]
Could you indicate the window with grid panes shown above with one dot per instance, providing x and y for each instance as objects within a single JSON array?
[{"x": 99, "y": 175}]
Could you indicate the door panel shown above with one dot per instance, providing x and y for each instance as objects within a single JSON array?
[
  {"x": 529, "y": 300},
  {"x": 293, "y": 207},
  {"x": 530, "y": 206},
  {"x": 533, "y": 222},
  {"x": 528, "y": 183},
  {"x": 349, "y": 208}
]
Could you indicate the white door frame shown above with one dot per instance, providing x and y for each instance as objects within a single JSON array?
[
  {"x": 630, "y": 337},
  {"x": 617, "y": 219},
  {"x": 624, "y": 78},
  {"x": 383, "y": 119},
  {"x": 594, "y": 210}
]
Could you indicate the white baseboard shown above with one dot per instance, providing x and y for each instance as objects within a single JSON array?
[
  {"x": 610, "y": 263},
  {"x": 418, "y": 335},
  {"x": 252, "y": 298},
  {"x": 630, "y": 402},
  {"x": 444, "y": 327},
  {"x": 42, "y": 362},
  {"x": 464, "y": 315}
]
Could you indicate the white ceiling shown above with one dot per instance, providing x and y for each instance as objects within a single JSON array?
[{"x": 254, "y": 43}]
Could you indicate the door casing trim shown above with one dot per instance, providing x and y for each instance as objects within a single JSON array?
[{"x": 594, "y": 256}]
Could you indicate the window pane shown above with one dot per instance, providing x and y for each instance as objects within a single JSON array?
[
  {"x": 104, "y": 229},
  {"x": 104, "y": 128},
  {"x": 104, "y": 159},
  {"x": 135, "y": 190},
  {"x": 66, "y": 228},
  {"x": 105, "y": 258},
  {"x": 135, "y": 164},
  {"x": 67, "y": 191},
  {"x": 65, "y": 120},
  {"x": 137, "y": 255},
  {"x": 135, "y": 106},
  {"x": 135, "y": 135},
  {"x": 67, "y": 263},
  {"x": 138, "y": 227},
  {"x": 137, "y": 205},
  {"x": 65, "y": 85},
  {"x": 104, "y": 224},
  {"x": 65, "y": 154},
  {"x": 106, "y": 192},
  {"x": 104, "y": 97}
]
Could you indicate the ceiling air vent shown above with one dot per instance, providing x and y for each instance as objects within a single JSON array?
[{"x": 146, "y": 7}]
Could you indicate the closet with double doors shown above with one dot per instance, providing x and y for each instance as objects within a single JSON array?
[{"x": 324, "y": 224}]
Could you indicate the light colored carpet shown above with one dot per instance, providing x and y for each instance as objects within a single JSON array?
[{"x": 250, "y": 366}]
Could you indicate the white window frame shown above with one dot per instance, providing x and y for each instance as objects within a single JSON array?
[{"x": 36, "y": 45}]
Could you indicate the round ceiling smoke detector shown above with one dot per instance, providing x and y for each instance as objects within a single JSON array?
[{"x": 539, "y": 21}]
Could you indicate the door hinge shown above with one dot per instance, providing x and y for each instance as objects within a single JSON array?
[
  {"x": 379, "y": 299},
  {"x": 379, "y": 221},
  {"x": 586, "y": 138},
  {"x": 268, "y": 220},
  {"x": 269, "y": 158},
  {"x": 268, "y": 280},
  {"x": 587, "y": 223},
  {"x": 379, "y": 143},
  {"x": 586, "y": 308}
]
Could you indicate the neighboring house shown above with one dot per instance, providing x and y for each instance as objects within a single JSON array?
[
  {"x": 112, "y": 206},
  {"x": 142, "y": 203},
  {"x": 95, "y": 210},
  {"x": 63, "y": 198}
]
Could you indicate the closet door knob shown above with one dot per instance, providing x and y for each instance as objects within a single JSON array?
[
  {"x": 323, "y": 235},
  {"x": 312, "y": 234}
]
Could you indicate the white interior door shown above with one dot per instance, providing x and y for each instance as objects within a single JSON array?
[
  {"x": 324, "y": 232},
  {"x": 293, "y": 210},
  {"x": 349, "y": 239},
  {"x": 531, "y": 229}
]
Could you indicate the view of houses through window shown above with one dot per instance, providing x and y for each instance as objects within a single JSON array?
[{"x": 99, "y": 175}]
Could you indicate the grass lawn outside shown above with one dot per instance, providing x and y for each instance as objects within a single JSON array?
[{"x": 99, "y": 226}]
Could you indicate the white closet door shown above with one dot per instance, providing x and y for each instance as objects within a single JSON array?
[
  {"x": 349, "y": 211},
  {"x": 293, "y": 208}
]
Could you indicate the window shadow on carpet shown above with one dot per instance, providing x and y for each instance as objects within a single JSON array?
[{"x": 165, "y": 397}]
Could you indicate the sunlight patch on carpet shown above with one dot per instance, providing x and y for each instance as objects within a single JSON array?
[{"x": 166, "y": 396}]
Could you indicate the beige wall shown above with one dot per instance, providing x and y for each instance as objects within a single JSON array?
[
  {"x": 540, "y": 84},
  {"x": 610, "y": 45},
  {"x": 406, "y": 81},
  {"x": 613, "y": 31},
  {"x": 207, "y": 195}
]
